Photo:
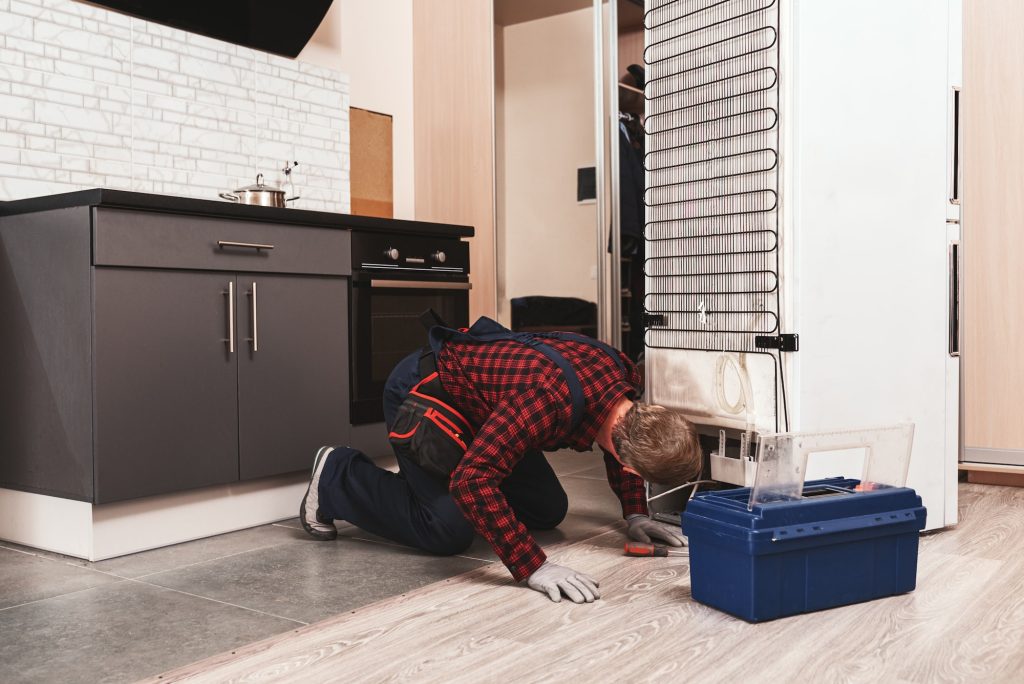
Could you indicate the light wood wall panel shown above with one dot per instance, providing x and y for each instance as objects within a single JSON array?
[
  {"x": 453, "y": 91},
  {"x": 993, "y": 224}
]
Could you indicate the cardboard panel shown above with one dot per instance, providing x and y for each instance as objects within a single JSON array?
[{"x": 372, "y": 166}]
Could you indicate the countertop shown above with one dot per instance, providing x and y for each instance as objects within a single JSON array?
[{"x": 123, "y": 199}]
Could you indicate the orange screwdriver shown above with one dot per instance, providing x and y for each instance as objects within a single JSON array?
[{"x": 638, "y": 549}]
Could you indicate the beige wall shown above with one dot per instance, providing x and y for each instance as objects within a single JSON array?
[
  {"x": 546, "y": 239},
  {"x": 993, "y": 217},
  {"x": 372, "y": 42}
]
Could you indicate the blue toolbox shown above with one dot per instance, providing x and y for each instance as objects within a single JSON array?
[{"x": 831, "y": 546}]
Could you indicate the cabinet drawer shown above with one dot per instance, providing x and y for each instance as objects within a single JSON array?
[{"x": 154, "y": 240}]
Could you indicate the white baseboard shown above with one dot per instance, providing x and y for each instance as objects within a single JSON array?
[{"x": 94, "y": 533}]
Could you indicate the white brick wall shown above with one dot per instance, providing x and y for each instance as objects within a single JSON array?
[{"x": 91, "y": 98}]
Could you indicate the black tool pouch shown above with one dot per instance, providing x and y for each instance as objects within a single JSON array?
[{"x": 430, "y": 432}]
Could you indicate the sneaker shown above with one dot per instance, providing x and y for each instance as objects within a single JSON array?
[{"x": 318, "y": 526}]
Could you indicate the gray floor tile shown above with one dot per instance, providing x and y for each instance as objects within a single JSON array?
[
  {"x": 310, "y": 580},
  {"x": 568, "y": 462},
  {"x": 180, "y": 555},
  {"x": 26, "y": 577},
  {"x": 121, "y": 632}
]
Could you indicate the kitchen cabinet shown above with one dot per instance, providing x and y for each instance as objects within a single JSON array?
[
  {"x": 204, "y": 351},
  {"x": 166, "y": 412},
  {"x": 292, "y": 370}
]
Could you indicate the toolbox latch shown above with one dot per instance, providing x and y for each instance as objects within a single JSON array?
[{"x": 784, "y": 342}]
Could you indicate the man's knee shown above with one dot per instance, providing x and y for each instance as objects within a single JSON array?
[
  {"x": 451, "y": 541},
  {"x": 553, "y": 513}
]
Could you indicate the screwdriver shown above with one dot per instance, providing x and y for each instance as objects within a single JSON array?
[{"x": 638, "y": 549}]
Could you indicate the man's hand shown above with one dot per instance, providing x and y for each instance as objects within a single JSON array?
[
  {"x": 643, "y": 529},
  {"x": 555, "y": 580}
]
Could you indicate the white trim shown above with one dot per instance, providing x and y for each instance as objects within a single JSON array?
[{"x": 84, "y": 530}]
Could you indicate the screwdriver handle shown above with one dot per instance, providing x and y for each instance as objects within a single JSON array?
[{"x": 638, "y": 549}]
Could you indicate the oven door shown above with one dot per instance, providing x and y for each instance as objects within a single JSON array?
[{"x": 386, "y": 327}]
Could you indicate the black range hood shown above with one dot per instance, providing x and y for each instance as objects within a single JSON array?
[{"x": 276, "y": 26}]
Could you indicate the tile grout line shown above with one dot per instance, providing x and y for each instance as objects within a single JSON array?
[
  {"x": 208, "y": 560},
  {"x": 208, "y": 598},
  {"x": 64, "y": 562},
  {"x": 70, "y": 593}
]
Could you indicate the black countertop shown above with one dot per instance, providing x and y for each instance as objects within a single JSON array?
[{"x": 123, "y": 199}]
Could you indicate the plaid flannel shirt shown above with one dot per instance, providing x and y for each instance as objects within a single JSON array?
[{"x": 518, "y": 400}]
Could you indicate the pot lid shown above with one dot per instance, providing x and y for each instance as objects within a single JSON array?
[{"x": 260, "y": 186}]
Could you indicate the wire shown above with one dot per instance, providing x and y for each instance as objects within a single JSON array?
[{"x": 682, "y": 486}]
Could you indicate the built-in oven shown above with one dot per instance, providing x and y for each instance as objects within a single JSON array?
[{"x": 395, "y": 278}]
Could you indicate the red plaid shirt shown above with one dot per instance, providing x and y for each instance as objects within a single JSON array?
[{"x": 519, "y": 400}]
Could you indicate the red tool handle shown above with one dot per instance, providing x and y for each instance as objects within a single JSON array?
[{"x": 638, "y": 549}]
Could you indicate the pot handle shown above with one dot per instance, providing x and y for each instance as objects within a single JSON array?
[
  {"x": 230, "y": 197},
  {"x": 292, "y": 199}
]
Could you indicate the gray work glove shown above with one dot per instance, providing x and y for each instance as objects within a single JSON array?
[
  {"x": 643, "y": 529},
  {"x": 555, "y": 580}
]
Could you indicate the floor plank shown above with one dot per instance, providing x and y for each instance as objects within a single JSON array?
[{"x": 965, "y": 622}]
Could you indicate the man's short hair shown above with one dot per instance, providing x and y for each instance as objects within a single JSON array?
[{"x": 659, "y": 443}]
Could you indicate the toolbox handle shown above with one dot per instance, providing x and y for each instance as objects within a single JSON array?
[{"x": 860, "y": 522}]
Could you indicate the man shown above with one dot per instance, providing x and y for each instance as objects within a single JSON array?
[{"x": 523, "y": 396}]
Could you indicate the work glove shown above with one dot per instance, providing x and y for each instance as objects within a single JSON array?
[
  {"x": 555, "y": 580},
  {"x": 643, "y": 529}
]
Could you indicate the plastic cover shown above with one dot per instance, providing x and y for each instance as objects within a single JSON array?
[{"x": 782, "y": 459}]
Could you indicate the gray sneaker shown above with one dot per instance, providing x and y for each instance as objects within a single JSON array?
[{"x": 318, "y": 526}]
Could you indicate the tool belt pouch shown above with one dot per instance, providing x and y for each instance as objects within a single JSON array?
[{"x": 431, "y": 434}]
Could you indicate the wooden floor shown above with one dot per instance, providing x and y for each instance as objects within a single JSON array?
[{"x": 965, "y": 622}]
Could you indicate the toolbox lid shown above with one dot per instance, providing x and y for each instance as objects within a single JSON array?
[
  {"x": 782, "y": 459},
  {"x": 825, "y": 508}
]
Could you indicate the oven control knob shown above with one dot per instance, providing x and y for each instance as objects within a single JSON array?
[
  {"x": 439, "y": 257},
  {"x": 391, "y": 253}
]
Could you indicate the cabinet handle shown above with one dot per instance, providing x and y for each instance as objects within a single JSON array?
[
  {"x": 954, "y": 299},
  {"x": 249, "y": 245},
  {"x": 255, "y": 339},
  {"x": 954, "y": 182},
  {"x": 231, "y": 316}
]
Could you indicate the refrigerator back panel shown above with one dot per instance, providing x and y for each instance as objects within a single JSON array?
[{"x": 712, "y": 219}]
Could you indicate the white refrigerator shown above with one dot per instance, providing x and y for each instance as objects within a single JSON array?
[{"x": 799, "y": 175}]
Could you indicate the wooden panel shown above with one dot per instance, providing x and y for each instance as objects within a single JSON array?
[
  {"x": 453, "y": 90},
  {"x": 372, "y": 166},
  {"x": 960, "y": 624},
  {"x": 993, "y": 224},
  {"x": 998, "y": 479},
  {"x": 631, "y": 49}
]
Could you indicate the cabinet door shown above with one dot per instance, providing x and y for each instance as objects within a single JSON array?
[
  {"x": 165, "y": 382},
  {"x": 293, "y": 371}
]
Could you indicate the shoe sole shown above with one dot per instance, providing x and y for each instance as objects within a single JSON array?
[{"x": 316, "y": 534}]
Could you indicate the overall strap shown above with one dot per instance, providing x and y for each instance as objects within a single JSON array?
[
  {"x": 488, "y": 330},
  {"x": 583, "y": 339}
]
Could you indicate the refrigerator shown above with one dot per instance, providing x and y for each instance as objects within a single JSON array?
[{"x": 802, "y": 224}]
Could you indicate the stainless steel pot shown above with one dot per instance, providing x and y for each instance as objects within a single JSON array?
[{"x": 259, "y": 193}]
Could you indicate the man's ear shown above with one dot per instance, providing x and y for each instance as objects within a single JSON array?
[{"x": 630, "y": 470}]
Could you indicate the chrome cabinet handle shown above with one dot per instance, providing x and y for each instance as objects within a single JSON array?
[
  {"x": 248, "y": 245},
  {"x": 255, "y": 339},
  {"x": 230, "y": 292}
]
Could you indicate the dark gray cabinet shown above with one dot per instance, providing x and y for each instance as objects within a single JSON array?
[
  {"x": 147, "y": 353},
  {"x": 292, "y": 370},
  {"x": 166, "y": 386}
]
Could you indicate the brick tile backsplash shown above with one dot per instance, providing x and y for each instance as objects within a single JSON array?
[{"x": 92, "y": 98}]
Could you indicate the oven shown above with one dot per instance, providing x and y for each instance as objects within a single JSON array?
[{"x": 395, "y": 278}]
